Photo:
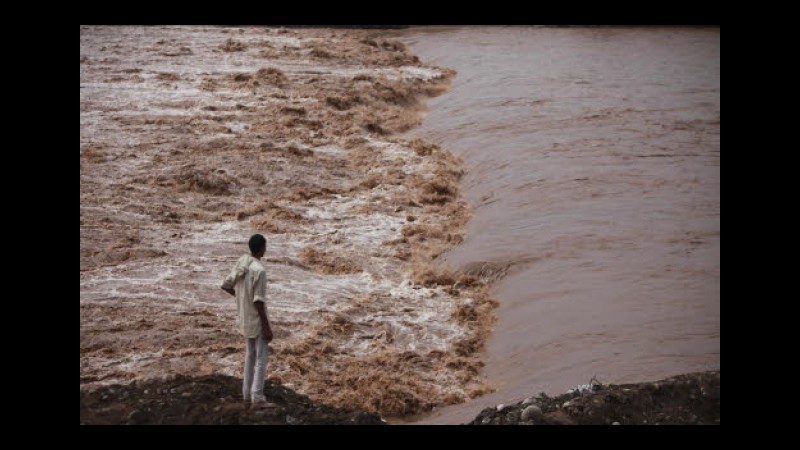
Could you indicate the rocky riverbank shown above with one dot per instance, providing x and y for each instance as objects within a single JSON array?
[
  {"x": 216, "y": 400},
  {"x": 689, "y": 399}
]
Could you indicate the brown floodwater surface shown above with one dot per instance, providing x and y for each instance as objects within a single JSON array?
[
  {"x": 593, "y": 171},
  {"x": 589, "y": 157},
  {"x": 192, "y": 138}
]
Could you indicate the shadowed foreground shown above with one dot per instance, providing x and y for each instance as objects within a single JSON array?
[
  {"x": 683, "y": 399},
  {"x": 208, "y": 400}
]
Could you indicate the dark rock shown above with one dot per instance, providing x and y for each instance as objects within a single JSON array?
[
  {"x": 136, "y": 417},
  {"x": 532, "y": 412},
  {"x": 558, "y": 418}
]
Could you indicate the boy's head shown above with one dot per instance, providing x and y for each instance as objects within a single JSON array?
[{"x": 258, "y": 245}]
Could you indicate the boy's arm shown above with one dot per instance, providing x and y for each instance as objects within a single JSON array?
[
  {"x": 265, "y": 328},
  {"x": 228, "y": 283},
  {"x": 259, "y": 297}
]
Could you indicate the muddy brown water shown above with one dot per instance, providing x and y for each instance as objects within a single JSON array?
[
  {"x": 593, "y": 170},
  {"x": 193, "y": 137}
]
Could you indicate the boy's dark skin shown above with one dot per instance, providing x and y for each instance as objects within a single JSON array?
[{"x": 265, "y": 328}]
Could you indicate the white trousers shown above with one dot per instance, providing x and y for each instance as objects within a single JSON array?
[{"x": 255, "y": 367}]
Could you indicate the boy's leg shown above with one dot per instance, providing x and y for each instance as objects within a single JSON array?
[
  {"x": 249, "y": 365},
  {"x": 260, "y": 368}
]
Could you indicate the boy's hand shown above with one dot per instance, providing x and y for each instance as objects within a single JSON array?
[{"x": 267, "y": 333}]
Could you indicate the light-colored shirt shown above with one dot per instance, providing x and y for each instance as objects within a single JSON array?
[{"x": 249, "y": 279}]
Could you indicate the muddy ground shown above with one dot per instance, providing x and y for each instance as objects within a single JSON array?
[
  {"x": 216, "y": 400},
  {"x": 208, "y": 400}
]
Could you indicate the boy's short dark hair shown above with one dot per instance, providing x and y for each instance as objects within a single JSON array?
[{"x": 257, "y": 243}]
